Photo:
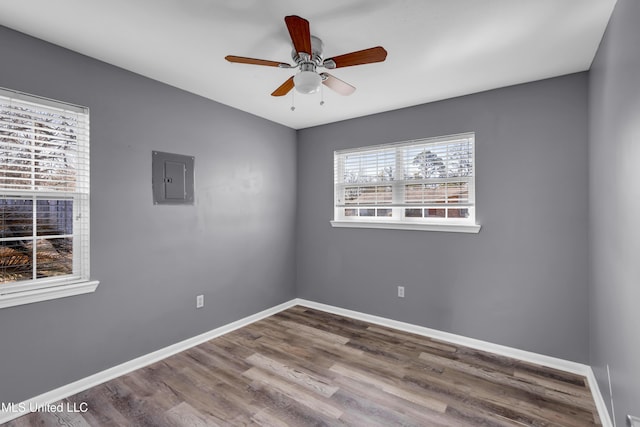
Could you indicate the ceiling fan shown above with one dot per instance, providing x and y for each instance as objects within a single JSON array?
[{"x": 307, "y": 55}]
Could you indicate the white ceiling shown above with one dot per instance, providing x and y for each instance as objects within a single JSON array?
[{"x": 437, "y": 48}]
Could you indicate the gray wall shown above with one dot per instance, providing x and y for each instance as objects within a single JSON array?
[
  {"x": 236, "y": 245},
  {"x": 614, "y": 177},
  {"x": 522, "y": 281}
]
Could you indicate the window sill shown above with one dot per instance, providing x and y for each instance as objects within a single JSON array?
[
  {"x": 454, "y": 228},
  {"x": 11, "y": 299}
]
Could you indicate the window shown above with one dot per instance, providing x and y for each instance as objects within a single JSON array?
[
  {"x": 426, "y": 184},
  {"x": 44, "y": 199}
]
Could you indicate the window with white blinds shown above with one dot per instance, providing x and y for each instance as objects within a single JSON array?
[
  {"x": 416, "y": 183},
  {"x": 44, "y": 193}
]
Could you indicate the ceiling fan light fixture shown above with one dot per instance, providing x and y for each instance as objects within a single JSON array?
[{"x": 307, "y": 82}]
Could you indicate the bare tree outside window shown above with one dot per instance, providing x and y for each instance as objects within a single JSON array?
[
  {"x": 430, "y": 165},
  {"x": 39, "y": 158}
]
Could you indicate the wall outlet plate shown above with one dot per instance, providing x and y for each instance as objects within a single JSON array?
[
  {"x": 199, "y": 301},
  {"x": 400, "y": 291}
]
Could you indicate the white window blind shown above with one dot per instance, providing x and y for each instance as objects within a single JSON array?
[
  {"x": 420, "y": 181},
  {"x": 44, "y": 192}
]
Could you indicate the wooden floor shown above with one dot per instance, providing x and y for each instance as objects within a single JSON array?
[{"x": 303, "y": 367}]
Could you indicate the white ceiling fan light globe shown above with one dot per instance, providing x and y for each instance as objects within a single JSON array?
[{"x": 307, "y": 81}]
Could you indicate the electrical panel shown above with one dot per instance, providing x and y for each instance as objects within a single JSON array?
[{"x": 172, "y": 179}]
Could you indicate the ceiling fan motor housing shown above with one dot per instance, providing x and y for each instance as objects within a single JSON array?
[{"x": 317, "y": 48}]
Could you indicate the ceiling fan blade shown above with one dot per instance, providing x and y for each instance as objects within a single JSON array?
[
  {"x": 299, "y": 31},
  {"x": 343, "y": 88},
  {"x": 284, "y": 88},
  {"x": 365, "y": 56},
  {"x": 254, "y": 61}
]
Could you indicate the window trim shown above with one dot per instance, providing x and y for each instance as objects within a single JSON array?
[
  {"x": 416, "y": 226},
  {"x": 78, "y": 282},
  {"x": 62, "y": 290},
  {"x": 447, "y": 225}
]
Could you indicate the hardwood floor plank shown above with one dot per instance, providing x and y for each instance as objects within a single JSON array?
[
  {"x": 184, "y": 414},
  {"x": 101, "y": 411},
  {"x": 72, "y": 419},
  {"x": 211, "y": 405},
  {"x": 320, "y": 348},
  {"x": 266, "y": 418},
  {"x": 387, "y": 387},
  {"x": 312, "y": 402},
  {"x": 132, "y": 408},
  {"x": 289, "y": 409},
  {"x": 386, "y": 407},
  {"x": 401, "y": 337},
  {"x": 316, "y": 333},
  {"x": 552, "y": 384},
  {"x": 562, "y": 376},
  {"x": 295, "y": 375}
]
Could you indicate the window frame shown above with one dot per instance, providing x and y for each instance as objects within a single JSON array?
[
  {"x": 398, "y": 206},
  {"x": 77, "y": 282}
]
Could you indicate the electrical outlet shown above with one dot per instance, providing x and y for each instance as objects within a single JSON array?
[
  {"x": 400, "y": 291},
  {"x": 200, "y": 301}
]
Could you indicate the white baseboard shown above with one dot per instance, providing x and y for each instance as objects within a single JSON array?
[
  {"x": 603, "y": 410},
  {"x": 63, "y": 392}
]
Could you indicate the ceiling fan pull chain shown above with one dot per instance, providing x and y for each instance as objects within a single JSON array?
[{"x": 293, "y": 100}]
